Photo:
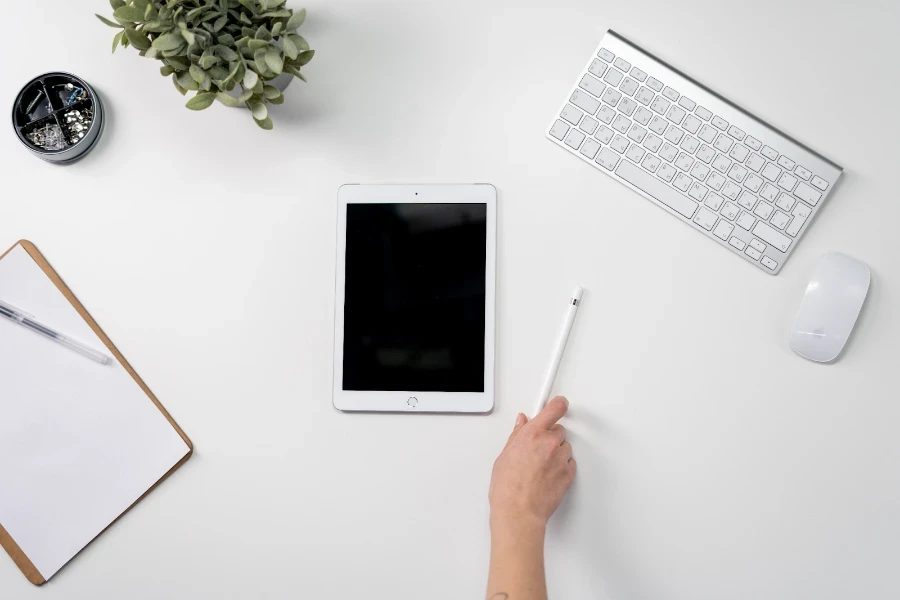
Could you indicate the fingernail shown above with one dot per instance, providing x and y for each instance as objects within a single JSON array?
[{"x": 520, "y": 419}]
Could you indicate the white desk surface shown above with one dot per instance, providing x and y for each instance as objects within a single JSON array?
[{"x": 713, "y": 463}]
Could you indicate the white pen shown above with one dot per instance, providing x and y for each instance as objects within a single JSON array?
[
  {"x": 16, "y": 316},
  {"x": 574, "y": 301}
]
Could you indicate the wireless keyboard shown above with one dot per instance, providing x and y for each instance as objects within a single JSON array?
[{"x": 744, "y": 184}]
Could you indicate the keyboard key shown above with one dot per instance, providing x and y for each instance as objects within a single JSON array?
[
  {"x": 606, "y": 114},
  {"x": 684, "y": 161},
  {"x": 720, "y": 123},
  {"x": 666, "y": 172},
  {"x": 629, "y": 86},
  {"x": 627, "y": 106},
  {"x": 785, "y": 202},
  {"x": 698, "y": 192},
  {"x": 670, "y": 94},
  {"x": 745, "y": 221},
  {"x": 611, "y": 97},
  {"x": 723, "y": 230},
  {"x": 763, "y": 210},
  {"x": 654, "y": 84},
  {"x": 687, "y": 103},
  {"x": 757, "y": 245},
  {"x": 651, "y": 163},
  {"x": 721, "y": 163},
  {"x": 753, "y": 253},
  {"x": 621, "y": 123},
  {"x": 613, "y": 77},
  {"x": 807, "y": 194},
  {"x": 574, "y": 139},
  {"x": 674, "y": 135},
  {"x": 770, "y": 153},
  {"x": 755, "y": 162},
  {"x": 707, "y": 134},
  {"x": 796, "y": 225},
  {"x": 635, "y": 153},
  {"x": 642, "y": 115},
  {"x": 730, "y": 211},
  {"x": 657, "y": 189},
  {"x": 658, "y": 125},
  {"x": 715, "y": 181},
  {"x": 585, "y": 101},
  {"x": 607, "y": 159},
  {"x": 769, "y": 263},
  {"x": 787, "y": 182},
  {"x": 771, "y": 172},
  {"x": 747, "y": 200},
  {"x": 739, "y": 153},
  {"x": 571, "y": 114},
  {"x": 676, "y": 114},
  {"x": 660, "y": 105},
  {"x": 623, "y": 64},
  {"x": 638, "y": 74},
  {"x": 652, "y": 143},
  {"x": 801, "y": 210},
  {"x": 737, "y": 173},
  {"x": 753, "y": 183},
  {"x": 819, "y": 183},
  {"x": 737, "y": 243},
  {"x": 703, "y": 113},
  {"x": 803, "y": 173},
  {"x": 592, "y": 85},
  {"x": 590, "y": 148},
  {"x": 723, "y": 143},
  {"x": 604, "y": 134},
  {"x": 559, "y": 130},
  {"x": 644, "y": 96},
  {"x": 606, "y": 55},
  {"x": 705, "y": 218},
  {"x": 668, "y": 152},
  {"x": 700, "y": 171},
  {"x": 691, "y": 123},
  {"x": 706, "y": 154},
  {"x": 619, "y": 144},
  {"x": 769, "y": 192},
  {"x": 785, "y": 163},
  {"x": 682, "y": 182},
  {"x": 772, "y": 236},
  {"x": 589, "y": 125},
  {"x": 714, "y": 202},
  {"x": 753, "y": 143},
  {"x": 637, "y": 133},
  {"x": 736, "y": 133},
  {"x": 780, "y": 220},
  {"x": 597, "y": 68},
  {"x": 731, "y": 190}
]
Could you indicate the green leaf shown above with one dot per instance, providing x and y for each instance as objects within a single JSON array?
[
  {"x": 263, "y": 33},
  {"x": 258, "y": 109},
  {"x": 129, "y": 13},
  {"x": 290, "y": 49},
  {"x": 250, "y": 78},
  {"x": 141, "y": 4},
  {"x": 260, "y": 58},
  {"x": 116, "y": 4},
  {"x": 299, "y": 41},
  {"x": 274, "y": 61},
  {"x": 151, "y": 53},
  {"x": 296, "y": 20},
  {"x": 166, "y": 70},
  {"x": 188, "y": 37},
  {"x": 276, "y": 29},
  {"x": 137, "y": 39},
  {"x": 226, "y": 53},
  {"x": 227, "y": 100},
  {"x": 118, "y": 40},
  {"x": 265, "y": 123},
  {"x": 186, "y": 81},
  {"x": 220, "y": 23},
  {"x": 246, "y": 19},
  {"x": 197, "y": 73},
  {"x": 279, "y": 99},
  {"x": 168, "y": 41},
  {"x": 257, "y": 44},
  {"x": 108, "y": 22},
  {"x": 178, "y": 87},
  {"x": 245, "y": 95},
  {"x": 201, "y": 101},
  {"x": 207, "y": 61},
  {"x": 305, "y": 57},
  {"x": 179, "y": 63},
  {"x": 270, "y": 91}
]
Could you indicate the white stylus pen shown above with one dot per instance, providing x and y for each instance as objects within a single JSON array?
[
  {"x": 574, "y": 301},
  {"x": 16, "y": 316}
]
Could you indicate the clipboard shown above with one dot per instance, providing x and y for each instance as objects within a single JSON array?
[{"x": 6, "y": 541}]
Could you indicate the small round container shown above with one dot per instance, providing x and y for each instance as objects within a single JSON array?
[{"x": 58, "y": 117}]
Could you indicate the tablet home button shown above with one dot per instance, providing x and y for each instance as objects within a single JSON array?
[{"x": 413, "y": 402}]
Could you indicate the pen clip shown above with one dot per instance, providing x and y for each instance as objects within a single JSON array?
[{"x": 16, "y": 309}]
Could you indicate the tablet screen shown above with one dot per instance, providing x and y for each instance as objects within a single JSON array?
[{"x": 414, "y": 299}]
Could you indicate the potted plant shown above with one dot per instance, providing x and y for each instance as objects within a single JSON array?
[{"x": 234, "y": 51}]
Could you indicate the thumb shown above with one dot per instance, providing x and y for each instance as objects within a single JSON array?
[{"x": 521, "y": 419}]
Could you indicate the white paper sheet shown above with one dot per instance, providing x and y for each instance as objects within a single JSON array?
[{"x": 79, "y": 442}]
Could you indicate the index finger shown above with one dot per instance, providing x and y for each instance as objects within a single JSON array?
[{"x": 552, "y": 413}]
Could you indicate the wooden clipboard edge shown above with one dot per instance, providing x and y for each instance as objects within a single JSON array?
[{"x": 18, "y": 556}]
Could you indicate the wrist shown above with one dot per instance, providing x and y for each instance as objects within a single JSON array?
[{"x": 518, "y": 525}]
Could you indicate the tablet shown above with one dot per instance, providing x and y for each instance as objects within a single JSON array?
[{"x": 414, "y": 301}]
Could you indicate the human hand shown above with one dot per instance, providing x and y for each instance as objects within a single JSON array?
[{"x": 535, "y": 469}]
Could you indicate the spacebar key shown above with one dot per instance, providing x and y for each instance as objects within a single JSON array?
[{"x": 657, "y": 189}]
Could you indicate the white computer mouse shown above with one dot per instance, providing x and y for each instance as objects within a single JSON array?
[{"x": 832, "y": 302}]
